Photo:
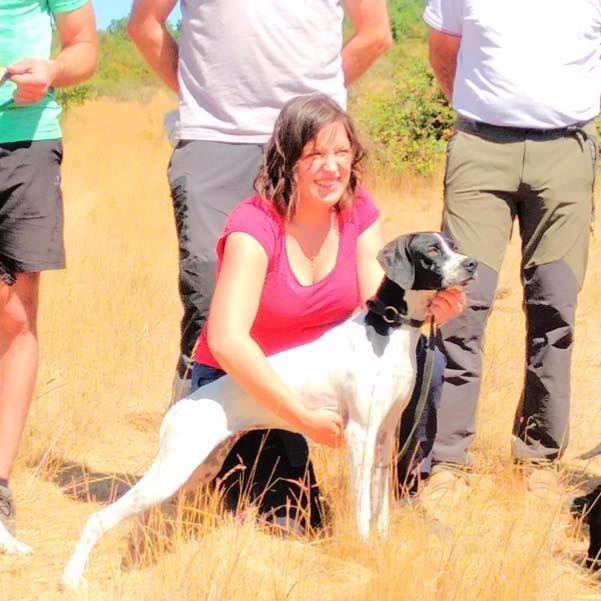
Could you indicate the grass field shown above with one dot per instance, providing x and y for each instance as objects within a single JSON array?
[{"x": 109, "y": 330}]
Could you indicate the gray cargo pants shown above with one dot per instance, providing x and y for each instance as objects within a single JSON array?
[
  {"x": 207, "y": 180},
  {"x": 544, "y": 179}
]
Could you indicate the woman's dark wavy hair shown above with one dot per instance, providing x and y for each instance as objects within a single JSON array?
[{"x": 297, "y": 124}]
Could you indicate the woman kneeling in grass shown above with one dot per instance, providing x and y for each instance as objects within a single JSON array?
[{"x": 293, "y": 261}]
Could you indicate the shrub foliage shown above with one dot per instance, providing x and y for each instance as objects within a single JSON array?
[
  {"x": 405, "y": 19},
  {"x": 408, "y": 120},
  {"x": 121, "y": 74}
]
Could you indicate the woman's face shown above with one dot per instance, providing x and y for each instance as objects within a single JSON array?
[{"x": 324, "y": 168}]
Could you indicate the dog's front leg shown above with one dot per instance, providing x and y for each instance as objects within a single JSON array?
[
  {"x": 361, "y": 444},
  {"x": 381, "y": 482}
]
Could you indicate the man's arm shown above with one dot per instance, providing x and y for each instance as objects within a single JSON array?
[
  {"x": 75, "y": 62},
  {"x": 147, "y": 28},
  {"x": 443, "y": 58},
  {"x": 372, "y": 36}
]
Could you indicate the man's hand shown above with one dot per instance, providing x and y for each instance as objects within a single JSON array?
[
  {"x": 447, "y": 304},
  {"x": 324, "y": 426},
  {"x": 33, "y": 78}
]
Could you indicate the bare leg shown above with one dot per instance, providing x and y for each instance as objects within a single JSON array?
[
  {"x": 18, "y": 367},
  {"x": 18, "y": 362}
]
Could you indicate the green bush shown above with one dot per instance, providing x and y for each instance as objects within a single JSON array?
[
  {"x": 122, "y": 72},
  {"x": 121, "y": 67},
  {"x": 74, "y": 95},
  {"x": 405, "y": 19},
  {"x": 409, "y": 123}
]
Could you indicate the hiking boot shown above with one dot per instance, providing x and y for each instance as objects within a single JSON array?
[
  {"x": 7, "y": 509},
  {"x": 444, "y": 491},
  {"x": 445, "y": 478},
  {"x": 543, "y": 481}
]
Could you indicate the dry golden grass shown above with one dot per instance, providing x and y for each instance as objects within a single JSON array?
[{"x": 109, "y": 330}]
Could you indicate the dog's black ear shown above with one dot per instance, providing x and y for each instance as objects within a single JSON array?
[{"x": 396, "y": 262}]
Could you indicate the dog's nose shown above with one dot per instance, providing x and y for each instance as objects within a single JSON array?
[{"x": 469, "y": 265}]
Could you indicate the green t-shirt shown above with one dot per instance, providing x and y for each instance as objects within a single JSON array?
[{"x": 26, "y": 32}]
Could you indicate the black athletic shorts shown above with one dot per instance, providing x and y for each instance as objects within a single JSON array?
[{"x": 31, "y": 208}]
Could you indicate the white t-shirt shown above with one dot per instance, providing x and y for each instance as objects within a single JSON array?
[
  {"x": 241, "y": 60},
  {"x": 524, "y": 63}
]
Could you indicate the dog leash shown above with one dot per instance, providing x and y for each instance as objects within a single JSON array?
[{"x": 426, "y": 385}]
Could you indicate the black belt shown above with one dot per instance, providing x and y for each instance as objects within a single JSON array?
[{"x": 481, "y": 128}]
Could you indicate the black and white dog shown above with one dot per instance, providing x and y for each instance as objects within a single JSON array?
[{"x": 364, "y": 369}]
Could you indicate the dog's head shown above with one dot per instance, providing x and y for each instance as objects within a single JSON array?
[{"x": 425, "y": 261}]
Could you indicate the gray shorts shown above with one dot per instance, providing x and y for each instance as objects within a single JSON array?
[{"x": 31, "y": 208}]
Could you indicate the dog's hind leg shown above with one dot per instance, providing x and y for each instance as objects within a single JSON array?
[{"x": 188, "y": 442}]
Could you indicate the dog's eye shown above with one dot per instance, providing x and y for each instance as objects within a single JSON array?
[
  {"x": 451, "y": 243},
  {"x": 433, "y": 251}
]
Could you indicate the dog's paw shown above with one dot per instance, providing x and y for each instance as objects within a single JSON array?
[
  {"x": 73, "y": 578},
  {"x": 72, "y": 581}
]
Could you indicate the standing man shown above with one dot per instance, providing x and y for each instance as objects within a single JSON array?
[
  {"x": 525, "y": 79},
  {"x": 31, "y": 211},
  {"x": 236, "y": 65}
]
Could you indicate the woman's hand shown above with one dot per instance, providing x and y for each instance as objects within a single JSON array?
[
  {"x": 324, "y": 426},
  {"x": 447, "y": 304}
]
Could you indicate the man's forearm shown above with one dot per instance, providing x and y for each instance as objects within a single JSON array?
[
  {"x": 75, "y": 64},
  {"x": 443, "y": 59},
  {"x": 372, "y": 37},
  {"x": 78, "y": 38},
  {"x": 360, "y": 52},
  {"x": 160, "y": 50},
  {"x": 445, "y": 75}
]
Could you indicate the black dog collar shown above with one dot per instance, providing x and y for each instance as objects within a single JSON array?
[{"x": 391, "y": 315}]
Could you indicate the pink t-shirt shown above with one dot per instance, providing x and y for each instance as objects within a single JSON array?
[{"x": 289, "y": 313}]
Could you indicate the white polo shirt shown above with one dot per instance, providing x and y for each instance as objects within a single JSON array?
[
  {"x": 524, "y": 63},
  {"x": 241, "y": 60}
]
